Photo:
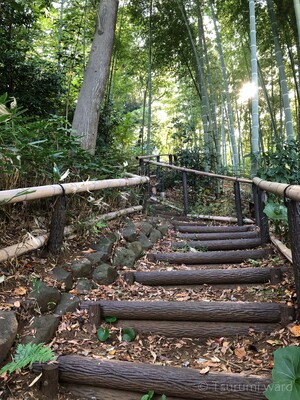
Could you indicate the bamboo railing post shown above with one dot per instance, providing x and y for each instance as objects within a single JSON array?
[
  {"x": 294, "y": 230},
  {"x": 185, "y": 193},
  {"x": 260, "y": 217},
  {"x": 170, "y": 159},
  {"x": 175, "y": 158},
  {"x": 158, "y": 175},
  {"x": 142, "y": 166},
  {"x": 238, "y": 202},
  {"x": 58, "y": 222}
]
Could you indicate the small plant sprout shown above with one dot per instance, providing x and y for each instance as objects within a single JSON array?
[
  {"x": 128, "y": 334},
  {"x": 150, "y": 394},
  {"x": 103, "y": 334}
]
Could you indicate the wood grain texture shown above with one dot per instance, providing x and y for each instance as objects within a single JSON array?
[
  {"x": 207, "y": 276},
  {"x": 172, "y": 381},
  {"x": 216, "y": 311},
  {"x": 224, "y": 244},
  {"x": 218, "y": 235},
  {"x": 196, "y": 330},
  {"x": 199, "y": 229},
  {"x": 210, "y": 257},
  {"x": 85, "y": 392}
]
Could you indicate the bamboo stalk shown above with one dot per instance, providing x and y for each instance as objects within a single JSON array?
[
  {"x": 39, "y": 192},
  {"x": 114, "y": 214},
  {"x": 281, "y": 189},
  {"x": 33, "y": 243},
  {"x": 202, "y": 173}
]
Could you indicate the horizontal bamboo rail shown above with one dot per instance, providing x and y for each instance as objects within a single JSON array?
[
  {"x": 281, "y": 189},
  {"x": 39, "y": 192},
  {"x": 196, "y": 172}
]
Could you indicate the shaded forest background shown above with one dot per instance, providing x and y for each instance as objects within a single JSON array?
[{"x": 176, "y": 84}]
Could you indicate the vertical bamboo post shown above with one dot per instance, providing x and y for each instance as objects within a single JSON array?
[
  {"x": 294, "y": 231},
  {"x": 142, "y": 166},
  {"x": 58, "y": 222},
  {"x": 260, "y": 217},
  {"x": 148, "y": 173},
  {"x": 158, "y": 175},
  {"x": 185, "y": 193},
  {"x": 238, "y": 202},
  {"x": 171, "y": 159},
  {"x": 175, "y": 158}
]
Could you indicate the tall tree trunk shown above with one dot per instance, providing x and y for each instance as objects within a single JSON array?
[
  {"x": 297, "y": 12},
  {"x": 235, "y": 158},
  {"x": 255, "y": 119},
  {"x": 283, "y": 83},
  {"x": 149, "y": 79},
  {"x": 86, "y": 117},
  {"x": 200, "y": 83}
]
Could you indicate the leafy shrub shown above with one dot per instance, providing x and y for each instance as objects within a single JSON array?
[
  {"x": 282, "y": 164},
  {"x": 28, "y": 354},
  {"x": 35, "y": 152}
]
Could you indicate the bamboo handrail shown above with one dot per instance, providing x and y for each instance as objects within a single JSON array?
[
  {"x": 153, "y": 156},
  {"x": 39, "y": 192},
  {"x": 281, "y": 189},
  {"x": 196, "y": 172}
]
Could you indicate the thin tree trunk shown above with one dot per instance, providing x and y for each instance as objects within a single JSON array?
[
  {"x": 235, "y": 160},
  {"x": 86, "y": 117},
  {"x": 149, "y": 79},
  {"x": 283, "y": 82},
  {"x": 255, "y": 119},
  {"x": 297, "y": 12}
]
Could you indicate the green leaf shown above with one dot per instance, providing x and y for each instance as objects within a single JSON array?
[
  {"x": 163, "y": 397},
  {"x": 3, "y": 98},
  {"x": 148, "y": 396},
  {"x": 110, "y": 319},
  {"x": 103, "y": 334},
  {"x": 285, "y": 375},
  {"x": 276, "y": 211},
  {"x": 128, "y": 334},
  {"x": 27, "y": 354}
]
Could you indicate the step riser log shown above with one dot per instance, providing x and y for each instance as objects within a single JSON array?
[
  {"x": 208, "y": 229},
  {"x": 218, "y": 236},
  {"x": 231, "y": 244},
  {"x": 140, "y": 377},
  {"x": 210, "y": 257},
  {"x": 195, "y": 330},
  {"x": 95, "y": 393},
  {"x": 190, "y": 311},
  {"x": 218, "y": 276}
]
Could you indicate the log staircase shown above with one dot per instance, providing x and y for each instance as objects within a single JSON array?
[{"x": 223, "y": 245}]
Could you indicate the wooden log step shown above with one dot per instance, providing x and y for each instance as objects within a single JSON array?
[
  {"x": 224, "y": 244},
  {"x": 206, "y": 229},
  {"x": 206, "y": 276},
  {"x": 196, "y": 330},
  {"x": 97, "y": 393},
  {"x": 210, "y": 257},
  {"x": 201, "y": 311},
  {"x": 184, "y": 383},
  {"x": 218, "y": 235}
]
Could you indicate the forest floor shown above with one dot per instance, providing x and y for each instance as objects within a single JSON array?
[{"x": 247, "y": 355}]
